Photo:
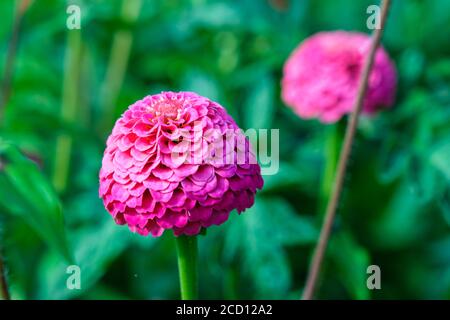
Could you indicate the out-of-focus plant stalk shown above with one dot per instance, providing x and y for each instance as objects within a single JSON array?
[
  {"x": 5, "y": 90},
  {"x": 230, "y": 284},
  {"x": 341, "y": 170},
  {"x": 4, "y": 292},
  {"x": 117, "y": 65},
  {"x": 70, "y": 100},
  {"x": 330, "y": 156},
  {"x": 187, "y": 266},
  {"x": 86, "y": 85}
]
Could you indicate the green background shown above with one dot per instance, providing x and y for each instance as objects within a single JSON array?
[{"x": 69, "y": 86}]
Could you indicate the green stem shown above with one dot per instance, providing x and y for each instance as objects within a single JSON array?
[
  {"x": 330, "y": 155},
  {"x": 70, "y": 100},
  {"x": 187, "y": 266},
  {"x": 117, "y": 65}
]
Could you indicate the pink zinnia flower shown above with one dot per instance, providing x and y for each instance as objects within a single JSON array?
[
  {"x": 177, "y": 161},
  {"x": 321, "y": 76}
]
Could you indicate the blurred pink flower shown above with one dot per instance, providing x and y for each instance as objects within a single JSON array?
[
  {"x": 177, "y": 161},
  {"x": 321, "y": 76}
]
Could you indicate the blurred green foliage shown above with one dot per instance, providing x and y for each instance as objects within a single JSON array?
[{"x": 69, "y": 86}]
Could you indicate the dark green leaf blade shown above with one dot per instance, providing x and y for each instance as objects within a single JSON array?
[{"x": 33, "y": 198}]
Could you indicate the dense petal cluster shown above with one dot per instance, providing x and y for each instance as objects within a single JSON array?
[
  {"x": 320, "y": 77},
  {"x": 177, "y": 161}
]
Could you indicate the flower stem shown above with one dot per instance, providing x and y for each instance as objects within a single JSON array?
[
  {"x": 330, "y": 156},
  {"x": 69, "y": 105},
  {"x": 324, "y": 236},
  {"x": 4, "y": 293},
  {"x": 187, "y": 266}
]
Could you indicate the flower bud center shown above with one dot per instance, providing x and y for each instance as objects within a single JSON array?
[{"x": 168, "y": 109}]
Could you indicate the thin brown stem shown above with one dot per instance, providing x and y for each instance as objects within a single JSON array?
[
  {"x": 5, "y": 90},
  {"x": 346, "y": 149},
  {"x": 4, "y": 292}
]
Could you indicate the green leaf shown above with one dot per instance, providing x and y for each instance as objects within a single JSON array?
[
  {"x": 287, "y": 176},
  {"x": 95, "y": 248},
  {"x": 411, "y": 65},
  {"x": 288, "y": 227},
  {"x": 392, "y": 161},
  {"x": 25, "y": 192},
  {"x": 403, "y": 222},
  {"x": 351, "y": 262},
  {"x": 259, "y": 235},
  {"x": 440, "y": 159}
]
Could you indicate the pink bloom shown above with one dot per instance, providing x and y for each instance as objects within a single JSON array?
[
  {"x": 177, "y": 161},
  {"x": 321, "y": 76}
]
